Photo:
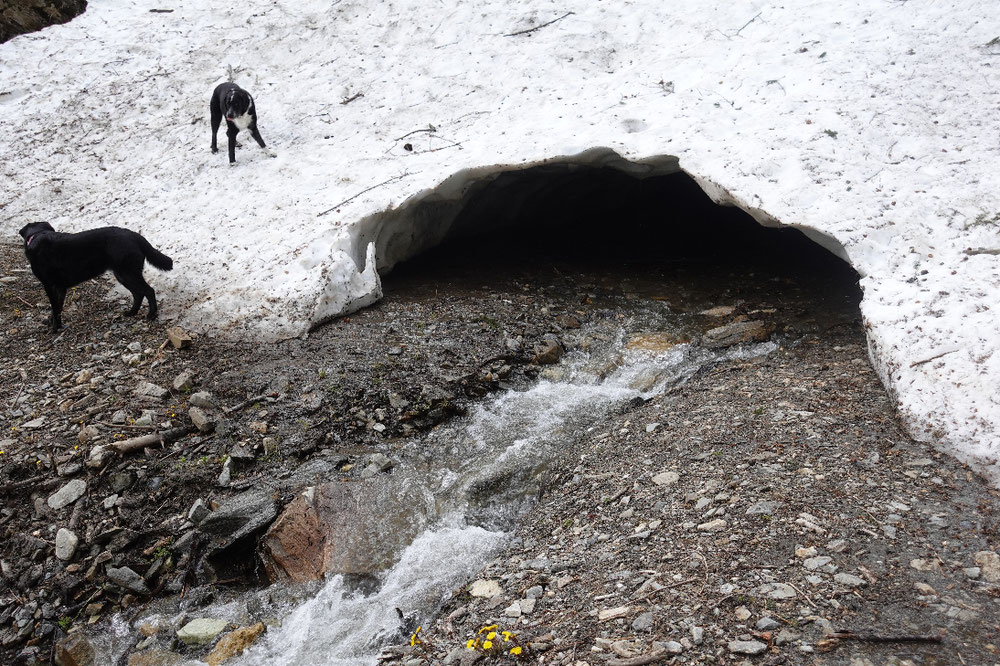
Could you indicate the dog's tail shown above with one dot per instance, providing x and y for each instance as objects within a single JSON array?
[{"x": 156, "y": 258}]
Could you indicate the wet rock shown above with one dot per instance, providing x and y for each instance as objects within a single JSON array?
[
  {"x": 234, "y": 643},
  {"x": 547, "y": 352},
  {"x": 232, "y": 529},
  {"x": 68, "y": 494},
  {"x": 740, "y": 332},
  {"x": 201, "y": 631},
  {"x": 341, "y": 528},
  {"x": 198, "y": 512},
  {"x": 74, "y": 650},
  {"x": 128, "y": 579},
  {"x": 66, "y": 542}
]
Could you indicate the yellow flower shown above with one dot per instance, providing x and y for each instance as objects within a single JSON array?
[
  {"x": 490, "y": 627},
  {"x": 516, "y": 650},
  {"x": 413, "y": 639},
  {"x": 487, "y": 645},
  {"x": 490, "y": 636},
  {"x": 471, "y": 644},
  {"x": 507, "y": 635}
]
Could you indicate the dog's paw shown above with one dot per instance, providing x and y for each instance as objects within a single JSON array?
[
  {"x": 214, "y": 150},
  {"x": 270, "y": 153}
]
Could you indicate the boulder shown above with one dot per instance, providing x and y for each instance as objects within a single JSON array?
[
  {"x": 201, "y": 631},
  {"x": 74, "y": 650},
  {"x": 341, "y": 528},
  {"x": 234, "y": 643}
]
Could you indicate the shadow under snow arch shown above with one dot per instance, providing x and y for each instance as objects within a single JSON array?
[{"x": 593, "y": 202}]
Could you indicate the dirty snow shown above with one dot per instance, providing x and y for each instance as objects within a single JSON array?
[{"x": 872, "y": 125}]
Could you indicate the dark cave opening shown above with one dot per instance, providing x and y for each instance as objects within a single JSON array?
[{"x": 603, "y": 216}]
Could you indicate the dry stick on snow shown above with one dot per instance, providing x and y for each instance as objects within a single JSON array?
[
  {"x": 246, "y": 403},
  {"x": 367, "y": 189},
  {"x": 348, "y": 100},
  {"x": 932, "y": 358},
  {"x": 539, "y": 27},
  {"x": 161, "y": 438}
]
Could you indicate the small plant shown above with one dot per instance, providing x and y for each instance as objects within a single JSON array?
[
  {"x": 161, "y": 552},
  {"x": 65, "y": 622},
  {"x": 496, "y": 644},
  {"x": 830, "y": 133}
]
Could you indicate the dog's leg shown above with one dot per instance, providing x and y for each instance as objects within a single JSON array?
[
  {"x": 260, "y": 140},
  {"x": 216, "y": 111},
  {"x": 57, "y": 296},
  {"x": 139, "y": 289},
  {"x": 231, "y": 131}
]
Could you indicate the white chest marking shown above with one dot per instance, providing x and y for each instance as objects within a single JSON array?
[{"x": 243, "y": 121}]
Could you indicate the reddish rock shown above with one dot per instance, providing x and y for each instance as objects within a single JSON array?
[{"x": 340, "y": 528}]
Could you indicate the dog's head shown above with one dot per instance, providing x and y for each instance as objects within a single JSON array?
[
  {"x": 236, "y": 103},
  {"x": 28, "y": 231}
]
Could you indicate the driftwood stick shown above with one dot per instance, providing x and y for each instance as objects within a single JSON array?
[
  {"x": 162, "y": 437},
  {"x": 40, "y": 481},
  {"x": 539, "y": 27}
]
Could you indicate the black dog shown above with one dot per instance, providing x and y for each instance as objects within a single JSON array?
[
  {"x": 61, "y": 261},
  {"x": 236, "y": 105}
]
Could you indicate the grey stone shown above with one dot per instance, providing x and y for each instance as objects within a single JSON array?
[
  {"x": 128, "y": 579},
  {"x": 849, "y": 580},
  {"x": 198, "y": 512},
  {"x": 766, "y": 507},
  {"x": 68, "y": 494},
  {"x": 747, "y": 647},
  {"x": 667, "y": 478},
  {"x": 548, "y": 352},
  {"x": 201, "y": 420},
  {"x": 202, "y": 399},
  {"x": 151, "y": 390},
  {"x": 534, "y": 592},
  {"x": 643, "y": 623},
  {"x": 185, "y": 380},
  {"x": 767, "y": 624},
  {"x": 66, "y": 542},
  {"x": 777, "y": 591}
]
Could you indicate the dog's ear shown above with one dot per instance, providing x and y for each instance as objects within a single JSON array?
[
  {"x": 24, "y": 231},
  {"x": 46, "y": 226}
]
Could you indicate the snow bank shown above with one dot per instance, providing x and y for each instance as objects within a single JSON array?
[{"x": 871, "y": 126}]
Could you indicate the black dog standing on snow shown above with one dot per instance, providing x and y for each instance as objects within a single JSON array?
[
  {"x": 236, "y": 105},
  {"x": 61, "y": 261}
]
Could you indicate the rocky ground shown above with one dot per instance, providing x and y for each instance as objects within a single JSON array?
[{"x": 746, "y": 515}]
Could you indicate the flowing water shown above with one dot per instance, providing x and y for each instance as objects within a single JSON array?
[{"x": 462, "y": 487}]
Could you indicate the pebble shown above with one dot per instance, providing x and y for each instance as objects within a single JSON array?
[
  {"x": 202, "y": 399},
  {"x": 777, "y": 591},
  {"x": 201, "y": 630},
  {"x": 667, "y": 478},
  {"x": 849, "y": 580},
  {"x": 151, "y": 390},
  {"x": 128, "y": 579},
  {"x": 66, "y": 542},
  {"x": 716, "y": 525},
  {"x": 989, "y": 565},
  {"x": 643, "y": 622}
]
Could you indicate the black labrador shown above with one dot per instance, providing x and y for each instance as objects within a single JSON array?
[{"x": 62, "y": 260}]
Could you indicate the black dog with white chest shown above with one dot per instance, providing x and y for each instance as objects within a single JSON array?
[
  {"x": 62, "y": 260},
  {"x": 231, "y": 102}
]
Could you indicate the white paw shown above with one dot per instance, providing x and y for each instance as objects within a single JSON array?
[{"x": 270, "y": 153}]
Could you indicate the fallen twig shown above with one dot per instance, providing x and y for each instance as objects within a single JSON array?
[
  {"x": 161, "y": 438},
  {"x": 248, "y": 402},
  {"x": 40, "y": 481},
  {"x": 932, "y": 358},
  {"x": 650, "y": 658},
  {"x": 830, "y": 641},
  {"x": 367, "y": 189},
  {"x": 538, "y": 27},
  {"x": 348, "y": 100}
]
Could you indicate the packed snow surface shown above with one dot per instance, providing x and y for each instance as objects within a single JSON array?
[{"x": 870, "y": 124}]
